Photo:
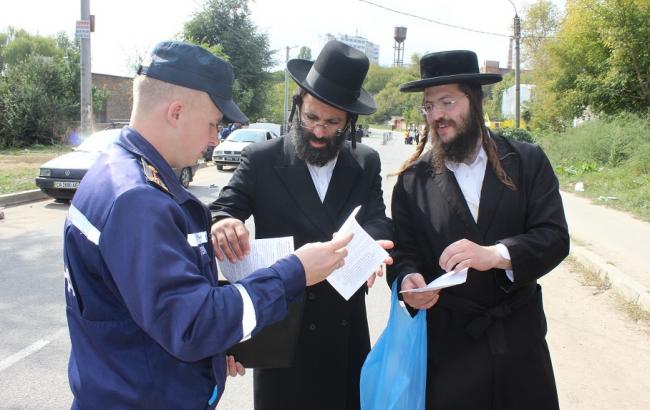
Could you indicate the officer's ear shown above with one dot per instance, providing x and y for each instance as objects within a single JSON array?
[{"x": 174, "y": 111}]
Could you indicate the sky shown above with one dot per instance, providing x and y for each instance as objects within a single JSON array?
[{"x": 125, "y": 29}]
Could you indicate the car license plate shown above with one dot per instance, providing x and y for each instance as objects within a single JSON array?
[
  {"x": 232, "y": 159},
  {"x": 66, "y": 184}
]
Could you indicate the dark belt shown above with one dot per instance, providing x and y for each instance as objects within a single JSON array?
[{"x": 488, "y": 319}]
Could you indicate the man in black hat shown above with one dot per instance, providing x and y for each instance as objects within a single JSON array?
[
  {"x": 476, "y": 200},
  {"x": 305, "y": 185},
  {"x": 148, "y": 322}
]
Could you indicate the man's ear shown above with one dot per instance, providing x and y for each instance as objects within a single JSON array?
[{"x": 174, "y": 111}]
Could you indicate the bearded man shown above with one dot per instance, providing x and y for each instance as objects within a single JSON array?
[
  {"x": 305, "y": 184},
  {"x": 476, "y": 200}
]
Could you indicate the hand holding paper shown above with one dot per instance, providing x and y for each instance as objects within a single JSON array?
[
  {"x": 364, "y": 255},
  {"x": 452, "y": 278}
]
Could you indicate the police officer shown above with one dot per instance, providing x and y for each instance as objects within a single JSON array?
[{"x": 148, "y": 322}]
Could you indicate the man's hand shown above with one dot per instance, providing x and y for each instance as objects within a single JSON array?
[
  {"x": 234, "y": 368},
  {"x": 319, "y": 259},
  {"x": 230, "y": 239},
  {"x": 388, "y": 261},
  {"x": 467, "y": 254},
  {"x": 421, "y": 300}
]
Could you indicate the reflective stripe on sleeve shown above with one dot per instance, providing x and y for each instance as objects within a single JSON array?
[
  {"x": 197, "y": 238},
  {"x": 82, "y": 223},
  {"x": 249, "y": 319}
]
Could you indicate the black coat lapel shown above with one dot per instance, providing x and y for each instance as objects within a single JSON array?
[
  {"x": 345, "y": 176},
  {"x": 294, "y": 174}
]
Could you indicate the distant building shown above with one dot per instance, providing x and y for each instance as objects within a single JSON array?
[
  {"x": 360, "y": 43},
  {"x": 120, "y": 100},
  {"x": 492, "y": 67}
]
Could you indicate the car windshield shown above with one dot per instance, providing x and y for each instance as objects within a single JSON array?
[
  {"x": 246, "y": 136},
  {"x": 99, "y": 141}
]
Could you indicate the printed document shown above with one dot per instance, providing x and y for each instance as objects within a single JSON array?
[
  {"x": 364, "y": 257},
  {"x": 452, "y": 278},
  {"x": 264, "y": 253}
]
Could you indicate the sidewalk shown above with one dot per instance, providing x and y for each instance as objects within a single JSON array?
[{"x": 612, "y": 243}]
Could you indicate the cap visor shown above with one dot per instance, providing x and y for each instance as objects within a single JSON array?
[{"x": 231, "y": 113}]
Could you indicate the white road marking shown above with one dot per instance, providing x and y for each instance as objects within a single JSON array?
[{"x": 31, "y": 349}]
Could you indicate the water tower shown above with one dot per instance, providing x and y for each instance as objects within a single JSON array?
[{"x": 399, "y": 35}]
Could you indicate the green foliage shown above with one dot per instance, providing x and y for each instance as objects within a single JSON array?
[
  {"x": 598, "y": 61},
  {"x": 39, "y": 88},
  {"x": 517, "y": 134},
  {"x": 227, "y": 23},
  {"x": 305, "y": 53},
  {"x": 383, "y": 83},
  {"x": 611, "y": 156}
]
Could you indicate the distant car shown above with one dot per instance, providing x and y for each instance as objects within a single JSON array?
[
  {"x": 228, "y": 153},
  {"x": 60, "y": 177}
]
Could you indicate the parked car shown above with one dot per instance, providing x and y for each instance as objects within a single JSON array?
[
  {"x": 269, "y": 126},
  {"x": 228, "y": 153},
  {"x": 60, "y": 177}
]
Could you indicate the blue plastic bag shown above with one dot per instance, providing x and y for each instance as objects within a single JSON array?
[{"x": 394, "y": 374}]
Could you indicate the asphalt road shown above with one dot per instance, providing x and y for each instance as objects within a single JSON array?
[{"x": 600, "y": 356}]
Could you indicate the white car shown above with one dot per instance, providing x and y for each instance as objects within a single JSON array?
[{"x": 228, "y": 153}]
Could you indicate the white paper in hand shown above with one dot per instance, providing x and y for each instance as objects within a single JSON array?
[
  {"x": 364, "y": 257},
  {"x": 264, "y": 253},
  {"x": 452, "y": 278}
]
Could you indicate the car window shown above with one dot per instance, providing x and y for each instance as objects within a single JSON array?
[
  {"x": 246, "y": 136},
  {"x": 99, "y": 141}
]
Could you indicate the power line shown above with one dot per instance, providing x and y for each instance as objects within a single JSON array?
[{"x": 434, "y": 21}]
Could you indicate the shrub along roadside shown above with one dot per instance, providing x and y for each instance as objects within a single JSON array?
[
  {"x": 19, "y": 167},
  {"x": 610, "y": 156}
]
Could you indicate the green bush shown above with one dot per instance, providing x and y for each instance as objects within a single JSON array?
[{"x": 517, "y": 134}]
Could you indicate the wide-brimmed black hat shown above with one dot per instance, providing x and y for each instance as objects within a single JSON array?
[
  {"x": 191, "y": 66},
  {"x": 336, "y": 77},
  {"x": 449, "y": 67}
]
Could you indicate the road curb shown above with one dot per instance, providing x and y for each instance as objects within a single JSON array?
[
  {"x": 18, "y": 198},
  {"x": 630, "y": 289}
]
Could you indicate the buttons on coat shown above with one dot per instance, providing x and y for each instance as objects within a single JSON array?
[
  {"x": 312, "y": 327},
  {"x": 344, "y": 322},
  {"x": 311, "y": 295}
]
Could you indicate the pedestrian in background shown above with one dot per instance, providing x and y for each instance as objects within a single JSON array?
[{"x": 476, "y": 200}]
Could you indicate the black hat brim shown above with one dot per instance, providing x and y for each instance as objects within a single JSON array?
[
  {"x": 474, "y": 78},
  {"x": 364, "y": 105}
]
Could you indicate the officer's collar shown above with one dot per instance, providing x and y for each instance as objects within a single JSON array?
[{"x": 156, "y": 169}]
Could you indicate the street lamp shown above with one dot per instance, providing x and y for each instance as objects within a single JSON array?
[
  {"x": 286, "y": 92},
  {"x": 517, "y": 29}
]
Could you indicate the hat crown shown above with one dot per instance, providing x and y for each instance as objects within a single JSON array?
[
  {"x": 342, "y": 65},
  {"x": 448, "y": 63}
]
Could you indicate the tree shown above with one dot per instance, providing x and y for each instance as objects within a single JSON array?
[
  {"x": 305, "y": 53},
  {"x": 227, "y": 23},
  {"x": 39, "y": 89}
]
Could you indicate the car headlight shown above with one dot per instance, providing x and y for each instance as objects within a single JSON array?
[{"x": 45, "y": 172}]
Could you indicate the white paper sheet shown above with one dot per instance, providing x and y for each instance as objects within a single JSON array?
[
  {"x": 452, "y": 278},
  {"x": 264, "y": 253},
  {"x": 364, "y": 257}
]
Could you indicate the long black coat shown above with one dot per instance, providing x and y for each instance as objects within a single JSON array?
[
  {"x": 482, "y": 358},
  {"x": 274, "y": 186}
]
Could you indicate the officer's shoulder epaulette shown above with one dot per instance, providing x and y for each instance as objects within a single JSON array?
[{"x": 152, "y": 175}]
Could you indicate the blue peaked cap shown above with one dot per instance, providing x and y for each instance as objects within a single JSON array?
[{"x": 191, "y": 66}]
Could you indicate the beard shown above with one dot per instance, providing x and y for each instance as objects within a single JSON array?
[
  {"x": 464, "y": 143},
  {"x": 301, "y": 138}
]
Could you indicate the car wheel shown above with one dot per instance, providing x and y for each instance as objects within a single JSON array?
[
  {"x": 185, "y": 177},
  {"x": 220, "y": 167}
]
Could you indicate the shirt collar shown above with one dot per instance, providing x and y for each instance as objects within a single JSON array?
[{"x": 134, "y": 142}]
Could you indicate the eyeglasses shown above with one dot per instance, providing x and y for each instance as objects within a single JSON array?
[
  {"x": 310, "y": 122},
  {"x": 442, "y": 105}
]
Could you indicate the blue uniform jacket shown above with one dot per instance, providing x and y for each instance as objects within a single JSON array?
[{"x": 148, "y": 323}]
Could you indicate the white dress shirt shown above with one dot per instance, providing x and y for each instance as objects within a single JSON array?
[{"x": 321, "y": 176}]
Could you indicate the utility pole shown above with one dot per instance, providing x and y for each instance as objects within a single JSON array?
[
  {"x": 85, "y": 70},
  {"x": 285, "y": 113},
  {"x": 517, "y": 24}
]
